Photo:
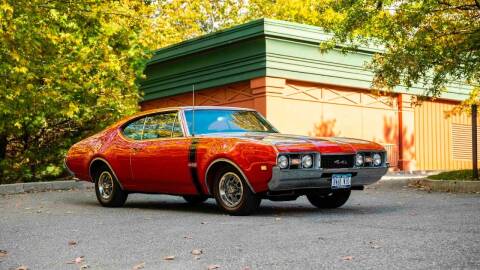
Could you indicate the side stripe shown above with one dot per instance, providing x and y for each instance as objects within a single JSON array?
[{"x": 192, "y": 163}]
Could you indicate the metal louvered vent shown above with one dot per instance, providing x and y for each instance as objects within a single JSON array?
[{"x": 462, "y": 141}]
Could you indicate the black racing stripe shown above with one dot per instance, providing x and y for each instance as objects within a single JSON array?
[{"x": 192, "y": 163}]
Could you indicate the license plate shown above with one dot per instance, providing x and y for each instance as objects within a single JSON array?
[{"x": 341, "y": 181}]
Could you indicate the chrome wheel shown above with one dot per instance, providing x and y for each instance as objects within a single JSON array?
[
  {"x": 105, "y": 185},
  {"x": 230, "y": 188}
]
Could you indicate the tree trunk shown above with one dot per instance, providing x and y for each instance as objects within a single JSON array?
[
  {"x": 3, "y": 146},
  {"x": 3, "y": 152}
]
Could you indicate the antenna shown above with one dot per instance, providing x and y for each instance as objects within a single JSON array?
[{"x": 193, "y": 110}]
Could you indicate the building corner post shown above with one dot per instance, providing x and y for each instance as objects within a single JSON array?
[
  {"x": 474, "y": 142},
  {"x": 406, "y": 133},
  {"x": 262, "y": 88}
]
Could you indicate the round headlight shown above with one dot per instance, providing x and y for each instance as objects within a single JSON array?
[
  {"x": 377, "y": 159},
  {"x": 359, "y": 160},
  {"x": 282, "y": 162},
  {"x": 307, "y": 161}
]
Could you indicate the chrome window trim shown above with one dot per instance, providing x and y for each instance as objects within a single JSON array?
[{"x": 231, "y": 163}]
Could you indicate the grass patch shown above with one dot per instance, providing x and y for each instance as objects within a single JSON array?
[{"x": 460, "y": 175}]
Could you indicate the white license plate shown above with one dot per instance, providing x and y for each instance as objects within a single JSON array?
[{"x": 341, "y": 181}]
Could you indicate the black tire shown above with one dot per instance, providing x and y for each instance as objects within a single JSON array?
[
  {"x": 116, "y": 197},
  {"x": 248, "y": 201},
  {"x": 195, "y": 199},
  {"x": 334, "y": 199}
]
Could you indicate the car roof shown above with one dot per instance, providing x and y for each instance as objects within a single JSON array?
[{"x": 181, "y": 108}]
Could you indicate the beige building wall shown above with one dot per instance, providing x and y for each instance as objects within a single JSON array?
[
  {"x": 418, "y": 137},
  {"x": 443, "y": 141}
]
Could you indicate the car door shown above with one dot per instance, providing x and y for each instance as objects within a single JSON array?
[{"x": 159, "y": 160}]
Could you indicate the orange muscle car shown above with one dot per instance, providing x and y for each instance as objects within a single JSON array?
[{"x": 232, "y": 154}]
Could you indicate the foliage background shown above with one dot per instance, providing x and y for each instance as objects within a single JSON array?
[{"x": 69, "y": 68}]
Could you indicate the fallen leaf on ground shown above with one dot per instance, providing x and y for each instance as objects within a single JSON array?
[
  {"x": 213, "y": 266},
  {"x": 3, "y": 253},
  {"x": 197, "y": 252},
  {"x": 188, "y": 237},
  {"x": 72, "y": 243},
  {"x": 347, "y": 258},
  {"x": 22, "y": 267},
  {"x": 77, "y": 260},
  {"x": 139, "y": 266},
  {"x": 85, "y": 266},
  {"x": 169, "y": 258},
  {"x": 203, "y": 222},
  {"x": 374, "y": 245}
]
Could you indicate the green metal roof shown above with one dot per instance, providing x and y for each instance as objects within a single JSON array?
[{"x": 259, "y": 48}]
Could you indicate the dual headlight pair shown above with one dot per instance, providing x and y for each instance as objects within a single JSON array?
[
  {"x": 306, "y": 161},
  {"x": 361, "y": 159}
]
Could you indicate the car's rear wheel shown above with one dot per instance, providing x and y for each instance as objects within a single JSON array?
[
  {"x": 195, "y": 199},
  {"x": 333, "y": 199},
  {"x": 233, "y": 194},
  {"x": 108, "y": 190}
]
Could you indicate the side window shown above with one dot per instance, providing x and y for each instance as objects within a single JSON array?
[
  {"x": 163, "y": 125},
  {"x": 134, "y": 130}
]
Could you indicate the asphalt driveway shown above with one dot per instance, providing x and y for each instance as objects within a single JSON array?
[{"x": 377, "y": 229}]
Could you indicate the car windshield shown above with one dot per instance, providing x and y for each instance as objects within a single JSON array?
[{"x": 209, "y": 121}]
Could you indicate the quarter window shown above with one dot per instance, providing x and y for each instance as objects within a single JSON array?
[
  {"x": 162, "y": 125},
  {"x": 134, "y": 130}
]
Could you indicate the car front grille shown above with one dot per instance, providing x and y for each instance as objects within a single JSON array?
[{"x": 337, "y": 161}]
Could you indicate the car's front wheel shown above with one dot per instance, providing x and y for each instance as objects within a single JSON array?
[
  {"x": 334, "y": 199},
  {"x": 108, "y": 190},
  {"x": 233, "y": 194}
]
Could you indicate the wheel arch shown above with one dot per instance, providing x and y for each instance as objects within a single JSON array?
[
  {"x": 220, "y": 163},
  {"x": 96, "y": 163}
]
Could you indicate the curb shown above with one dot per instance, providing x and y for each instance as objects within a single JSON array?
[
  {"x": 385, "y": 182},
  {"x": 393, "y": 183},
  {"x": 43, "y": 186},
  {"x": 447, "y": 185}
]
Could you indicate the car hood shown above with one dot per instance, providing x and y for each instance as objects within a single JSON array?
[{"x": 298, "y": 143}]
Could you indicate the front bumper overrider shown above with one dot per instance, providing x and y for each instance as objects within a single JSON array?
[{"x": 321, "y": 178}]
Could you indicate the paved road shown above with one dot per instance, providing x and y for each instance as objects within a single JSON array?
[{"x": 377, "y": 229}]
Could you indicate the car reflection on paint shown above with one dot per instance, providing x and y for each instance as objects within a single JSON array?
[{"x": 232, "y": 154}]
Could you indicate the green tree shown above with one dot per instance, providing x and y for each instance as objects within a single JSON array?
[
  {"x": 66, "y": 69},
  {"x": 69, "y": 68},
  {"x": 429, "y": 42},
  {"x": 300, "y": 11}
]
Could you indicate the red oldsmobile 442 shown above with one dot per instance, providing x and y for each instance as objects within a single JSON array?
[{"x": 231, "y": 154}]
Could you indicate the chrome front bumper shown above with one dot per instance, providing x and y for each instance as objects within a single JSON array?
[{"x": 321, "y": 178}]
